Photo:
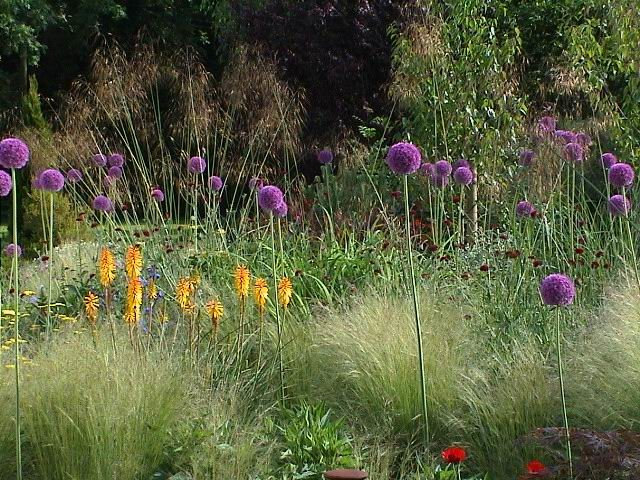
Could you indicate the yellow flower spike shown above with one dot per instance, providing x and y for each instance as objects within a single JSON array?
[
  {"x": 215, "y": 309},
  {"x": 9, "y": 313},
  {"x": 152, "y": 290},
  {"x": 285, "y": 291},
  {"x": 133, "y": 261},
  {"x": 134, "y": 301},
  {"x": 106, "y": 267},
  {"x": 184, "y": 289},
  {"x": 241, "y": 281},
  {"x": 91, "y": 306},
  {"x": 261, "y": 293}
]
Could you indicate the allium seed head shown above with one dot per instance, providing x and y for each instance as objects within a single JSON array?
[
  {"x": 557, "y": 290},
  {"x": 14, "y": 153},
  {"x": 404, "y": 158}
]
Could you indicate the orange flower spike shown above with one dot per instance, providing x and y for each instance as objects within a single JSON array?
[
  {"x": 133, "y": 261},
  {"x": 91, "y": 306},
  {"x": 261, "y": 293},
  {"x": 184, "y": 288},
  {"x": 241, "y": 281},
  {"x": 106, "y": 267},
  {"x": 215, "y": 309},
  {"x": 285, "y": 291}
]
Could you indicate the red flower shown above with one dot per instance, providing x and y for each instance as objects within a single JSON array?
[
  {"x": 454, "y": 455},
  {"x": 536, "y": 467},
  {"x": 484, "y": 267}
]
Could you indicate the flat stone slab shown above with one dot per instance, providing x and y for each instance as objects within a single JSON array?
[{"x": 346, "y": 474}]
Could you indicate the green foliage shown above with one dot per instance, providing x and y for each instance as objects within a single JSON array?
[{"x": 32, "y": 110}]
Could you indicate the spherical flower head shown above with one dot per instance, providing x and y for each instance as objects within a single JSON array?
[
  {"x": 462, "y": 162},
  {"x": 524, "y": 209},
  {"x": 197, "y": 165},
  {"x": 157, "y": 195},
  {"x": 325, "y": 156},
  {"x": 102, "y": 203},
  {"x": 14, "y": 153},
  {"x": 454, "y": 455},
  {"x": 427, "y": 169},
  {"x": 74, "y": 175},
  {"x": 115, "y": 172},
  {"x": 12, "y": 249},
  {"x": 443, "y": 168},
  {"x": 566, "y": 136},
  {"x": 404, "y": 158},
  {"x": 116, "y": 160},
  {"x": 281, "y": 210},
  {"x": 574, "y": 152},
  {"x": 621, "y": 175},
  {"x": 557, "y": 290},
  {"x": 619, "y": 206},
  {"x": 51, "y": 180},
  {"x": 536, "y": 467},
  {"x": 438, "y": 180},
  {"x": 608, "y": 160},
  {"x": 526, "y": 158},
  {"x": 5, "y": 183},
  {"x": 255, "y": 183},
  {"x": 99, "y": 160},
  {"x": 463, "y": 176},
  {"x": 215, "y": 183},
  {"x": 583, "y": 139},
  {"x": 270, "y": 197},
  {"x": 547, "y": 124}
]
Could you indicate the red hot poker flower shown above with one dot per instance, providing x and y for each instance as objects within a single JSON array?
[{"x": 454, "y": 455}]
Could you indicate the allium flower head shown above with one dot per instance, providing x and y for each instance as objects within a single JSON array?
[
  {"x": 427, "y": 169},
  {"x": 454, "y": 455},
  {"x": 12, "y": 249},
  {"x": 608, "y": 160},
  {"x": 99, "y": 160},
  {"x": 547, "y": 124},
  {"x": 74, "y": 175},
  {"x": 5, "y": 183},
  {"x": 255, "y": 183},
  {"x": 197, "y": 165},
  {"x": 270, "y": 197},
  {"x": 566, "y": 136},
  {"x": 524, "y": 209},
  {"x": 285, "y": 291},
  {"x": 404, "y": 158},
  {"x": 116, "y": 160},
  {"x": 115, "y": 171},
  {"x": 241, "y": 280},
  {"x": 14, "y": 153},
  {"x": 461, "y": 162},
  {"x": 51, "y": 180},
  {"x": 281, "y": 210},
  {"x": 621, "y": 175},
  {"x": 102, "y": 203},
  {"x": 443, "y": 168},
  {"x": 157, "y": 195},
  {"x": 583, "y": 139},
  {"x": 619, "y": 206},
  {"x": 574, "y": 152},
  {"x": 557, "y": 290},
  {"x": 463, "y": 176},
  {"x": 526, "y": 158},
  {"x": 215, "y": 183},
  {"x": 325, "y": 156}
]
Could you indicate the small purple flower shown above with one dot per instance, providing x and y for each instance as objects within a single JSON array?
[
  {"x": 404, "y": 158},
  {"x": 526, "y": 158},
  {"x": 463, "y": 176},
  {"x": 5, "y": 183},
  {"x": 524, "y": 209},
  {"x": 325, "y": 156},
  {"x": 115, "y": 172},
  {"x": 12, "y": 249},
  {"x": 99, "y": 160},
  {"x": 608, "y": 160},
  {"x": 197, "y": 165},
  {"x": 574, "y": 152},
  {"x": 281, "y": 210},
  {"x": 215, "y": 183},
  {"x": 270, "y": 197},
  {"x": 565, "y": 136},
  {"x": 116, "y": 160},
  {"x": 157, "y": 195},
  {"x": 621, "y": 175},
  {"x": 439, "y": 181},
  {"x": 462, "y": 162},
  {"x": 102, "y": 203},
  {"x": 427, "y": 169},
  {"x": 619, "y": 206},
  {"x": 51, "y": 180},
  {"x": 14, "y": 153},
  {"x": 583, "y": 139},
  {"x": 443, "y": 168},
  {"x": 255, "y": 183},
  {"x": 74, "y": 175},
  {"x": 557, "y": 290}
]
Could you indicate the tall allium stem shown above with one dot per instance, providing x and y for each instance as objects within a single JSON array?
[
  {"x": 632, "y": 246},
  {"x": 17, "y": 326},
  {"x": 416, "y": 311},
  {"x": 278, "y": 322},
  {"x": 50, "y": 266},
  {"x": 195, "y": 215},
  {"x": 461, "y": 216},
  {"x": 562, "y": 395}
]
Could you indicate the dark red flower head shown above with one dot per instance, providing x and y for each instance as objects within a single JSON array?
[
  {"x": 454, "y": 455},
  {"x": 536, "y": 468}
]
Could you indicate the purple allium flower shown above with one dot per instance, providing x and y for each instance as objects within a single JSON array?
[
  {"x": 443, "y": 168},
  {"x": 325, "y": 156},
  {"x": 99, "y": 160},
  {"x": 547, "y": 124},
  {"x": 281, "y": 210},
  {"x": 197, "y": 165},
  {"x": 463, "y": 176},
  {"x": 102, "y": 203},
  {"x": 51, "y": 180},
  {"x": 583, "y": 139},
  {"x": 404, "y": 158},
  {"x": 270, "y": 197},
  {"x": 5, "y": 183},
  {"x": 11, "y": 250},
  {"x": 115, "y": 172},
  {"x": 74, "y": 175},
  {"x": 565, "y": 136},
  {"x": 14, "y": 153},
  {"x": 621, "y": 175},
  {"x": 427, "y": 169},
  {"x": 157, "y": 195},
  {"x": 608, "y": 160},
  {"x": 439, "y": 181},
  {"x": 116, "y": 160},
  {"x": 215, "y": 183},
  {"x": 526, "y": 158},
  {"x": 619, "y": 206},
  {"x": 574, "y": 152},
  {"x": 462, "y": 162},
  {"x": 524, "y": 209},
  {"x": 557, "y": 290},
  {"x": 255, "y": 183}
]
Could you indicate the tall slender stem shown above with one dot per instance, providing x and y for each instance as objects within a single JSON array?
[
  {"x": 50, "y": 265},
  {"x": 416, "y": 311},
  {"x": 16, "y": 326},
  {"x": 278, "y": 322},
  {"x": 564, "y": 403}
]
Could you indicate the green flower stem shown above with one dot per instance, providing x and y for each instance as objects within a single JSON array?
[
  {"x": 50, "y": 266},
  {"x": 17, "y": 327},
  {"x": 562, "y": 395},
  {"x": 278, "y": 322}
]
